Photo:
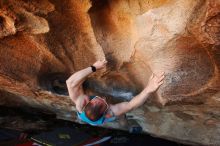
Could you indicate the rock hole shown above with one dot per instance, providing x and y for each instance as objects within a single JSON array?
[
  {"x": 55, "y": 82},
  {"x": 1, "y": 22}
]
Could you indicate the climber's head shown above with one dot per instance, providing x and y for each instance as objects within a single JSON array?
[{"x": 95, "y": 108}]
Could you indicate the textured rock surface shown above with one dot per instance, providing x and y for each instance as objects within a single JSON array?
[{"x": 43, "y": 42}]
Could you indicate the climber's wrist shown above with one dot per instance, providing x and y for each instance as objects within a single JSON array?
[{"x": 93, "y": 68}]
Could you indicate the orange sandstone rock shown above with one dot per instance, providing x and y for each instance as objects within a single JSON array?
[{"x": 42, "y": 42}]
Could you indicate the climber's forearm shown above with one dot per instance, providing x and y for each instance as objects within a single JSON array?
[
  {"x": 139, "y": 99},
  {"x": 124, "y": 107},
  {"x": 78, "y": 77}
]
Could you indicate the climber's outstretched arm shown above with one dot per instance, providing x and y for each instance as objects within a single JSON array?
[{"x": 124, "y": 107}]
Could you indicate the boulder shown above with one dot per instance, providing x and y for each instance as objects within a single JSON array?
[{"x": 43, "y": 42}]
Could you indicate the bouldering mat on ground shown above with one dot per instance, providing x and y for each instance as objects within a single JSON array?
[
  {"x": 64, "y": 136},
  {"x": 7, "y": 134}
]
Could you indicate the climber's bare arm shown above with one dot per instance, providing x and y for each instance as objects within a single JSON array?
[
  {"x": 74, "y": 82},
  {"x": 124, "y": 107}
]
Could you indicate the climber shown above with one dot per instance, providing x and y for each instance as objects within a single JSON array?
[{"x": 94, "y": 110}]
